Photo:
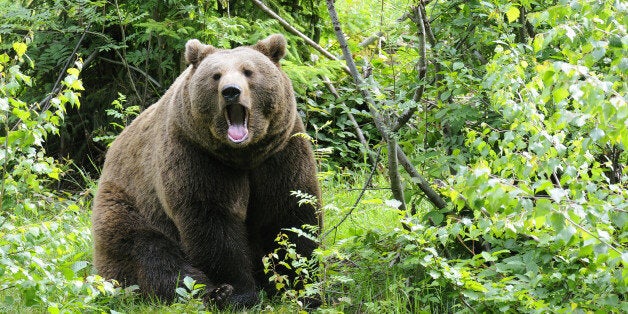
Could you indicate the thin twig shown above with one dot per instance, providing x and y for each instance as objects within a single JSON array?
[
  {"x": 438, "y": 77},
  {"x": 422, "y": 70},
  {"x": 140, "y": 71},
  {"x": 357, "y": 201},
  {"x": 4, "y": 163},
  {"x": 145, "y": 72},
  {"x": 123, "y": 56},
  {"x": 434, "y": 197},
  {"x": 295, "y": 31},
  {"x": 422, "y": 66},
  {"x": 371, "y": 39},
  {"x": 393, "y": 173},
  {"x": 577, "y": 225},
  {"x": 360, "y": 135},
  {"x": 89, "y": 59},
  {"x": 466, "y": 303},
  {"x": 57, "y": 86}
]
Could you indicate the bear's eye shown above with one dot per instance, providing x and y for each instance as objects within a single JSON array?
[
  {"x": 248, "y": 73},
  {"x": 216, "y": 76}
]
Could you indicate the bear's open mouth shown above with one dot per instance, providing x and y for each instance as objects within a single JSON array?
[{"x": 237, "y": 118}]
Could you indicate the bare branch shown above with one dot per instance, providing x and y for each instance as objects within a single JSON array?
[
  {"x": 426, "y": 24},
  {"x": 422, "y": 66},
  {"x": 353, "y": 70},
  {"x": 295, "y": 31},
  {"x": 377, "y": 118},
  {"x": 138, "y": 70},
  {"x": 371, "y": 39},
  {"x": 122, "y": 55},
  {"x": 89, "y": 59},
  {"x": 421, "y": 69},
  {"x": 56, "y": 88},
  {"x": 434, "y": 197},
  {"x": 393, "y": 172},
  {"x": 361, "y": 137}
]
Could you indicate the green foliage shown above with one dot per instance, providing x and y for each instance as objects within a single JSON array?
[
  {"x": 25, "y": 170},
  {"x": 305, "y": 284},
  {"x": 524, "y": 119},
  {"x": 542, "y": 184},
  {"x": 45, "y": 263},
  {"x": 38, "y": 268},
  {"x": 189, "y": 295},
  {"x": 190, "y": 289},
  {"x": 121, "y": 117}
]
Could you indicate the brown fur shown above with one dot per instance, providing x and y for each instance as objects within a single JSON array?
[{"x": 178, "y": 196}]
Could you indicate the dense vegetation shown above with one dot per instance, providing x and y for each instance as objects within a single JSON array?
[{"x": 472, "y": 153}]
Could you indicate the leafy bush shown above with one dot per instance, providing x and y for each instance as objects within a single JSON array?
[
  {"x": 549, "y": 201},
  {"x": 528, "y": 106},
  {"x": 40, "y": 268},
  {"x": 26, "y": 170}
]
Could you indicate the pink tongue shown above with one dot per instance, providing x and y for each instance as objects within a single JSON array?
[
  {"x": 236, "y": 118},
  {"x": 237, "y": 132}
]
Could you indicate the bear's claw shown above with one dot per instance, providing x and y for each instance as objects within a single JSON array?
[{"x": 221, "y": 293}]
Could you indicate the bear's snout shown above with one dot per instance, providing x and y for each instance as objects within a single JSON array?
[{"x": 231, "y": 93}]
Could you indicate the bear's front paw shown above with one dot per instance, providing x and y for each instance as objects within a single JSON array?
[{"x": 220, "y": 294}]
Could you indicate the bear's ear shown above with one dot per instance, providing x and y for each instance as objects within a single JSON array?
[
  {"x": 195, "y": 51},
  {"x": 274, "y": 47}
]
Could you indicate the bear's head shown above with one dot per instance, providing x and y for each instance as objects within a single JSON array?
[{"x": 239, "y": 98}]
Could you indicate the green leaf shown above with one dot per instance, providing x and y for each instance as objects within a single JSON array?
[
  {"x": 559, "y": 94},
  {"x": 189, "y": 282},
  {"x": 4, "y": 58},
  {"x": 475, "y": 286},
  {"x": 570, "y": 33},
  {"x": 21, "y": 114},
  {"x": 74, "y": 72},
  {"x": 435, "y": 216},
  {"x": 20, "y": 49},
  {"x": 537, "y": 44},
  {"x": 557, "y": 221},
  {"x": 53, "y": 309},
  {"x": 488, "y": 257},
  {"x": 557, "y": 194},
  {"x": 566, "y": 233},
  {"x": 597, "y": 134},
  {"x": 512, "y": 14},
  {"x": 78, "y": 266}
]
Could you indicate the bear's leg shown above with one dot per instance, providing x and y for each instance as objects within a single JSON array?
[
  {"x": 274, "y": 209},
  {"x": 218, "y": 245},
  {"x": 127, "y": 248}
]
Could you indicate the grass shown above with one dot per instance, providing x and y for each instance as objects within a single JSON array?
[{"x": 45, "y": 258}]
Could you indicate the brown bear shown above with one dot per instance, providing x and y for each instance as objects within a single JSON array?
[{"x": 200, "y": 183}]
